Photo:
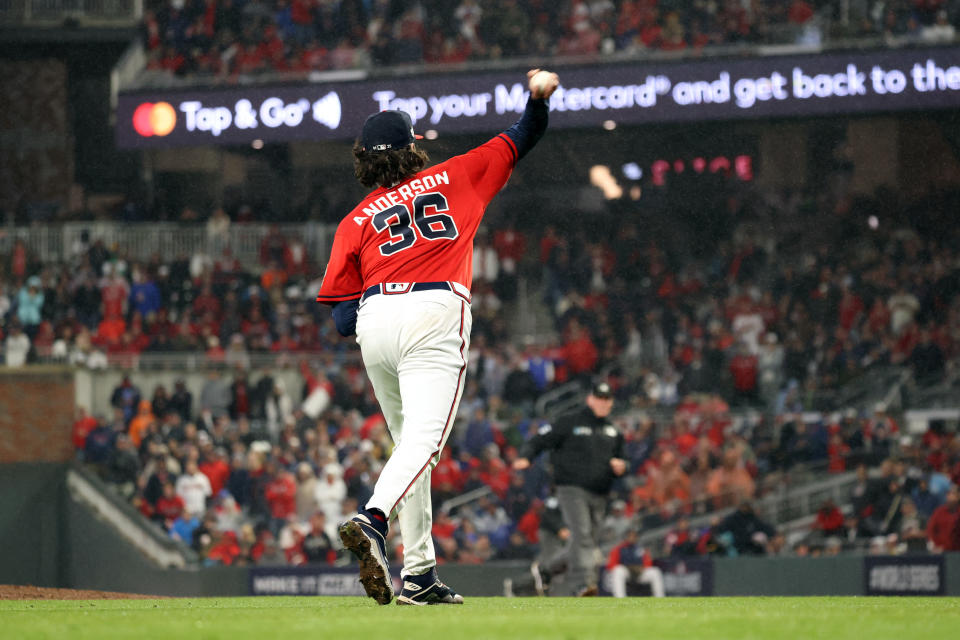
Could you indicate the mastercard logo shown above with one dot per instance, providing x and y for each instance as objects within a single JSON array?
[{"x": 154, "y": 119}]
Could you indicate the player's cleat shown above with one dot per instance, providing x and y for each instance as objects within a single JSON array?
[
  {"x": 427, "y": 589},
  {"x": 539, "y": 584},
  {"x": 365, "y": 537},
  {"x": 587, "y": 592}
]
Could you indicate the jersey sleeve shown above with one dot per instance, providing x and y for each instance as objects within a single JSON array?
[
  {"x": 547, "y": 437},
  {"x": 489, "y": 166},
  {"x": 342, "y": 279}
]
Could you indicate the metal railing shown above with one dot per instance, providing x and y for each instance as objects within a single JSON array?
[
  {"x": 84, "y": 486},
  {"x": 465, "y": 499},
  {"x": 786, "y": 505},
  {"x": 55, "y": 243},
  {"x": 189, "y": 361},
  {"x": 78, "y": 12}
]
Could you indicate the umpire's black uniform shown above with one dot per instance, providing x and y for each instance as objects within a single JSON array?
[{"x": 582, "y": 446}]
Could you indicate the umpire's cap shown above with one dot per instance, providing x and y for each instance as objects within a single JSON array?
[
  {"x": 387, "y": 130},
  {"x": 601, "y": 390}
]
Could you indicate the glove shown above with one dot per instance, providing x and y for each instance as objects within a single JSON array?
[{"x": 345, "y": 317}]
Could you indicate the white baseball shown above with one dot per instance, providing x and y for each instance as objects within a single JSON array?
[{"x": 541, "y": 81}]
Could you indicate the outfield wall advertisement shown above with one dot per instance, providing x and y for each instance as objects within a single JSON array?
[
  {"x": 308, "y": 580},
  {"x": 904, "y": 575},
  {"x": 635, "y": 93}
]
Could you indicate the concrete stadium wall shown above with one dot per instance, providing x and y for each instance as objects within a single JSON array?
[
  {"x": 97, "y": 557},
  {"x": 49, "y": 539},
  {"x": 839, "y": 576},
  {"x": 32, "y": 523}
]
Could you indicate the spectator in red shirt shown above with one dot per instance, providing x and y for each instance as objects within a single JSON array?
[
  {"x": 206, "y": 302},
  {"x": 579, "y": 351},
  {"x": 447, "y": 479},
  {"x": 943, "y": 528},
  {"x": 443, "y": 526},
  {"x": 850, "y": 309},
  {"x": 169, "y": 506},
  {"x": 226, "y": 550},
  {"x": 829, "y": 520},
  {"x": 494, "y": 472},
  {"x": 84, "y": 424},
  {"x": 510, "y": 244},
  {"x": 529, "y": 523},
  {"x": 281, "y": 496},
  {"x": 743, "y": 367},
  {"x": 114, "y": 295},
  {"x": 217, "y": 470},
  {"x": 799, "y": 12},
  {"x": 837, "y": 453}
]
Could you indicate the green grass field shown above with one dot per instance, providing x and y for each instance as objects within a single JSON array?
[{"x": 527, "y": 618}]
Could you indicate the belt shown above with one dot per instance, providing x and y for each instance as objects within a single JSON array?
[{"x": 396, "y": 288}]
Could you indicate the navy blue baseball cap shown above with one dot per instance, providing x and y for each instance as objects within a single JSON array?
[
  {"x": 387, "y": 130},
  {"x": 602, "y": 390}
]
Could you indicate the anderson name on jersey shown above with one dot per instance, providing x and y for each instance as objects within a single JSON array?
[{"x": 420, "y": 230}]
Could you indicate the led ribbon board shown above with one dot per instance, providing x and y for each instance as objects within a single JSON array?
[{"x": 634, "y": 93}]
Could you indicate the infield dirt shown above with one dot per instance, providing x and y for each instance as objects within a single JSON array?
[{"x": 28, "y": 592}]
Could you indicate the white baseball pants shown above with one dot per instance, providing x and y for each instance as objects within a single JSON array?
[
  {"x": 618, "y": 576},
  {"x": 415, "y": 347}
]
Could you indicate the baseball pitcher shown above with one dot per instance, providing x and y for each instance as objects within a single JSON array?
[{"x": 399, "y": 278}]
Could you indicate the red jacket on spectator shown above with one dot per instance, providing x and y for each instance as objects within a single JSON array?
[
  {"x": 281, "y": 495},
  {"x": 799, "y": 12},
  {"x": 829, "y": 520},
  {"x": 226, "y": 551},
  {"x": 496, "y": 475},
  {"x": 447, "y": 475},
  {"x": 295, "y": 259},
  {"x": 529, "y": 526},
  {"x": 217, "y": 472},
  {"x": 510, "y": 244},
  {"x": 837, "y": 452},
  {"x": 943, "y": 528},
  {"x": 580, "y": 353},
  {"x": 851, "y": 306},
  {"x": 169, "y": 508},
  {"x": 744, "y": 370},
  {"x": 614, "y": 558},
  {"x": 84, "y": 425},
  {"x": 444, "y": 530}
]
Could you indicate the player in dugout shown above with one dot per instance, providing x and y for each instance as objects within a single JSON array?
[{"x": 399, "y": 278}]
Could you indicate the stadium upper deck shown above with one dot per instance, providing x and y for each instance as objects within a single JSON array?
[{"x": 234, "y": 40}]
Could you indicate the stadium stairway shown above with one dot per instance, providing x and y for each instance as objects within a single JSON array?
[
  {"x": 530, "y": 314},
  {"x": 783, "y": 508},
  {"x": 96, "y": 498}
]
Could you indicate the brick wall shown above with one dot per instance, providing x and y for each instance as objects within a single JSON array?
[{"x": 36, "y": 414}]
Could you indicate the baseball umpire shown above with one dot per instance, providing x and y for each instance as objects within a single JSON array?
[
  {"x": 399, "y": 277},
  {"x": 587, "y": 454}
]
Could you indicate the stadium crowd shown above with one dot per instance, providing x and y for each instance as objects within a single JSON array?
[
  {"x": 213, "y": 473},
  {"x": 231, "y": 38},
  {"x": 254, "y": 471}
]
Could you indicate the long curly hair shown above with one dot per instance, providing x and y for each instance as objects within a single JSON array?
[{"x": 387, "y": 168}]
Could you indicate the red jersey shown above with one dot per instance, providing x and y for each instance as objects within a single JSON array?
[
  {"x": 114, "y": 295},
  {"x": 422, "y": 229}
]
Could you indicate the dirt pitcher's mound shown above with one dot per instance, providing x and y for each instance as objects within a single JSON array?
[{"x": 17, "y": 592}]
